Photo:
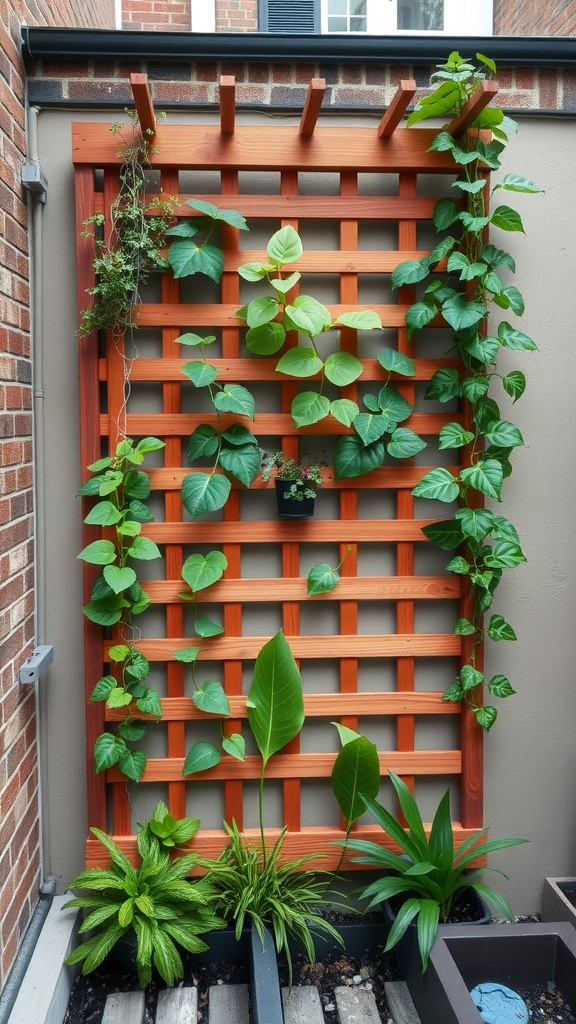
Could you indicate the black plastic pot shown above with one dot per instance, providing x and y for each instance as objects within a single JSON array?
[
  {"x": 288, "y": 508},
  {"x": 408, "y": 955},
  {"x": 515, "y": 955}
]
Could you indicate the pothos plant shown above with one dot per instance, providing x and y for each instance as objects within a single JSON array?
[
  {"x": 460, "y": 293},
  {"x": 121, "y": 487},
  {"x": 270, "y": 318}
]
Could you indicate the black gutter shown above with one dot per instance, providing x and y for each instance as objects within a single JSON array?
[{"x": 40, "y": 43}]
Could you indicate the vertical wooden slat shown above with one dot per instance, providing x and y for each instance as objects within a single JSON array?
[
  {"x": 173, "y": 553},
  {"x": 227, "y": 104},
  {"x": 397, "y": 109},
  {"x": 143, "y": 103},
  {"x": 230, "y": 285},
  {"x": 89, "y": 453},
  {"x": 405, "y": 725}
]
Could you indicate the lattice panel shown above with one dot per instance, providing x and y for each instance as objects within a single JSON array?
[{"x": 365, "y": 648}]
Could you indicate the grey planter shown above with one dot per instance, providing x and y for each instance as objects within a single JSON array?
[
  {"x": 515, "y": 955},
  {"x": 559, "y": 900}
]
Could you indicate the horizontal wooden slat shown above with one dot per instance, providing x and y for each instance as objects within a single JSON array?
[
  {"x": 174, "y": 424},
  {"x": 396, "y": 645},
  {"x": 196, "y": 146},
  {"x": 316, "y": 705},
  {"x": 362, "y": 261},
  {"x": 317, "y": 530},
  {"x": 367, "y": 588},
  {"x": 389, "y": 477},
  {"x": 258, "y": 369},
  {"x": 277, "y": 207},
  {"x": 298, "y": 766},
  {"x": 314, "y": 840},
  {"x": 172, "y": 314}
]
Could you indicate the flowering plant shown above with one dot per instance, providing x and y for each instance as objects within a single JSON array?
[{"x": 304, "y": 473}]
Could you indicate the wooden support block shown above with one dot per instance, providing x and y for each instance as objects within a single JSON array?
[
  {"x": 314, "y": 97},
  {"x": 124, "y": 1008},
  {"x": 227, "y": 104},
  {"x": 143, "y": 103},
  {"x": 177, "y": 1006},
  {"x": 397, "y": 108},
  {"x": 356, "y": 1006},
  {"x": 480, "y": 99},
  {"x": 302, "y": 1005},
  {"x": 228, "y": 1003}
]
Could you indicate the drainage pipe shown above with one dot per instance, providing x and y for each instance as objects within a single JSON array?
[{"x": 27, "y": 947}]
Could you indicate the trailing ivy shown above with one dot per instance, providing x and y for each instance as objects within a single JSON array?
[
  {"x": 461, "y": 296},
  {"x": 117, "y": 595}
]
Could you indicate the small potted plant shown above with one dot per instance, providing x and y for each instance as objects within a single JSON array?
[{"x": 297, "y": 481}]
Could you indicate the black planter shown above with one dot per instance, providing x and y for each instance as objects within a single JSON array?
[
  {"x": 408, "y": 954},
  {"x": 515, "y": 955},
  {"x": 288, "y": 508}
]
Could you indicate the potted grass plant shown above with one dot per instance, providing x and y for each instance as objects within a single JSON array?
[{"x": 297, "y": 481}]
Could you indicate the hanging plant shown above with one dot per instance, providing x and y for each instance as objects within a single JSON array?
[
  {"x": 133, "y": 248},
  {"x": 461, "y": 297}
]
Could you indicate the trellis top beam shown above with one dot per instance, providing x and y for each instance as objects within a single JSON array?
[
  {"x": 475, "y": 105},
  {"x": 143, "y": 103},
  {"x": 398, "y": 107},
  {"x": 313, "y": 102}
]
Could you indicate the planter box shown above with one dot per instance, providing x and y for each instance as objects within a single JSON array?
[
  {"x": 559, "y": 900},
  {"x": 516, "y": 955}
]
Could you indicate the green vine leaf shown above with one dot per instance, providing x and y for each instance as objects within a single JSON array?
[
  {"x": 284, "y": 246},
  {"x": 235, "y": 398},
  {"x": 438, "y": 483},
  {"x": 516, "y": 340},
  {"x": 119, "y": 579},
  {"x": 203, "y": 442},
  {"x": 344, "y": 410},
  {"x": 453, "y": 435},
  {"x": 353, "y": 458},
  {"x": 133, "y": 764},
  {"x": 444, "y": 385},
  {"x": 404, "y": 443},
  {"x": 104, "y": 513},
  {"x": 201, "y": 571},
  {"x": 504, "y": 555},
  {"x": 186, "y": 258},
  {"x": 211, "y": 698},
  {"x": 464, "y": 627},
  {"x": 486, "y": 716},
  {"x": 100, "y": 552},
  {"x": 321, "y": 579},
  {"x": 446, "y": 535},
  {"x": 261, "y": 311},
  {"x": 235, "y": 745},
  {"x": 300, "y": 362},
  {"x": 309, "y": 407},
  {"x": 242, "y": 462},
  {"x": 342, "y": 368},
  {"x": 232, "y": 217},
  {"x": 475, "y": 522},
  {"x": 507, "y": 219},
  {"x": 504, "y": 434},
  {"x": 200, "y": 757},
  {"x": 204, "y": 492},
  {"x": 460, "y": 313},
  {"x": 205, "y": 627},
  {"x": 103, "y": 688},
  {"x": 396, "y": 362},
  {"x": 499, "y": 629},
  {"x": 500, "y": 686},
  {"x": 308, "y": 315},
  {"x": 266, "y": 339},
  {"x": 108, "y": 749},
  {"x": 201, "y": 374},
  {"x": 144, "y": 549},
  {"x": 514, "y": 384},
  {"x": 486, "y": 476}
]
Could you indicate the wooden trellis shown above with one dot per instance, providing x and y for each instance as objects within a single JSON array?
[{"x": 347, "y": 152}]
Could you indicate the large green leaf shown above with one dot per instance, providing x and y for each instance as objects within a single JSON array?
[
  {"x": 215, "y": 213},
  {"x": 108, "y": 749},
  {"x": 507, "y": 219},
  {"x": 503, "y": 434},
  {"x": 261, "y": 311},
  {"x": 204, "y": 492},
  {"x": 444, "y": 385},
  {"x": 483, "y": 348},
  {"x": 321, "y": 579},
  {"x": 353, "y": 458},
  {"x": 200, "y": 373},
  {"x": 504, "y": 555},
  {"x": 235, "y": 745},
  {"x": 446, "y": 212},
  {"x": 371, "y": 427},
  {"x": 410, "y": 272},
  {"x": 396, "y": 362},
  {"x": 206, "y": 627},
  {"x": 100, "y": 552},
  {"x": 144, "y": 549},
  {"x": 119, "y": 579},
  {"x": 266, "y": 339},
  {"x": 235, "y": 398},
  {"x": 439, "y": 484},
  {"x": 185, "y": 258},
  {"x": 404, "y": 443},
  {"x": 309, "y": 407},
  {"x": 308, "y": 315},
  {"x": 356, "y": 770},
  {"x": 344, "y": 410},
  {"x": 393, "y": 405},
  {"x": 361, "y": 320},
  {"x": 104, "y": 513},
  {"x": 461, "y": 312},
  {"x": 203, "y": 442},
  {"x": 211, "y": 698},
  {"x": 200, "y": 571},
  {"x": 242, "y": 462},
  {"x": 486, "y": 476},
  {"x": 239, "y": 436},
  {"x": 453, "y": 435},
  {"x": 420, "y": 314},
  {"x": 284, "y": 246},
  {"x": 475, "y": 522},
  {"x": 200, "y": 757},
  {"x": 516, "y": 340},
  {"x": 255, "y": 271},
  {"x": 514, "y": 384},
  {"x": 283, "y": 285},
  {"x": 517, "y": 183},
  {"x": 499, "y": 629},
  {"x": 133, "y": 764},
  {"x": 275, "y": 700},
  {"x": 342, "y": 368},
  {"x": 446, "y": 534},
  {"x": 302, "y": 361}
]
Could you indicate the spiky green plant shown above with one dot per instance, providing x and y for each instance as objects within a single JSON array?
[{"x": 155, "y": 901}]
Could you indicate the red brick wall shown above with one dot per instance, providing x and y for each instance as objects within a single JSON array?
[
  {"x": 167, "y": 15},
  {"x": 236, "y": 15},
  {"x": 19, "y": 824},
  {"x": 545, "y": 18}
]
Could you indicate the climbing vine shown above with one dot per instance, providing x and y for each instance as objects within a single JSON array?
[{"x": 465, "y": 281}]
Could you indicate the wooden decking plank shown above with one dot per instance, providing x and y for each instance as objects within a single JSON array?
[
  {"x": 177, "y": 1006},
  {"x": 124, "y": 1008}
]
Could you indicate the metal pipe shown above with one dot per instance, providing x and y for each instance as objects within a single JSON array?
[{"x": 41, "y": 43}]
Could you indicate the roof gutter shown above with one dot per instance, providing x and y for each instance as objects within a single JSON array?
[{"x": 40, "y": 43}]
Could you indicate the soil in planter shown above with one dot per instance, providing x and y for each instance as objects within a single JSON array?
[
  {"x": 547, "y": 1007},
  {"x": 88, "y": 995}
]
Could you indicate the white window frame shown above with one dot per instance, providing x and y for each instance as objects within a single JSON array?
[{"x": 461, "y": 18}]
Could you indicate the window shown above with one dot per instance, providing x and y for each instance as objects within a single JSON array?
[{"x": 379, "y": 17}]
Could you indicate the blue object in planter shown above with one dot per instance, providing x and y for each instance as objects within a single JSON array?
[{"x": 498, "y": 1004}]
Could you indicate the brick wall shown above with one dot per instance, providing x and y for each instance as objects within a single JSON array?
[
  {"x": 545, "y": 18},
  {"x": 236, "y": 15},
  {"x": 167, "y": 15},
  {"x": 19, "y": 823},
  {"x": 279, "y": 85}
]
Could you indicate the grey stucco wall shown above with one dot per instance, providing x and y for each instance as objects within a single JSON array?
[{"x": 530, "y": 755}]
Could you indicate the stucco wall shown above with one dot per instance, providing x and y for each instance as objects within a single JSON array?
[{"x": 530, "y": 755}]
